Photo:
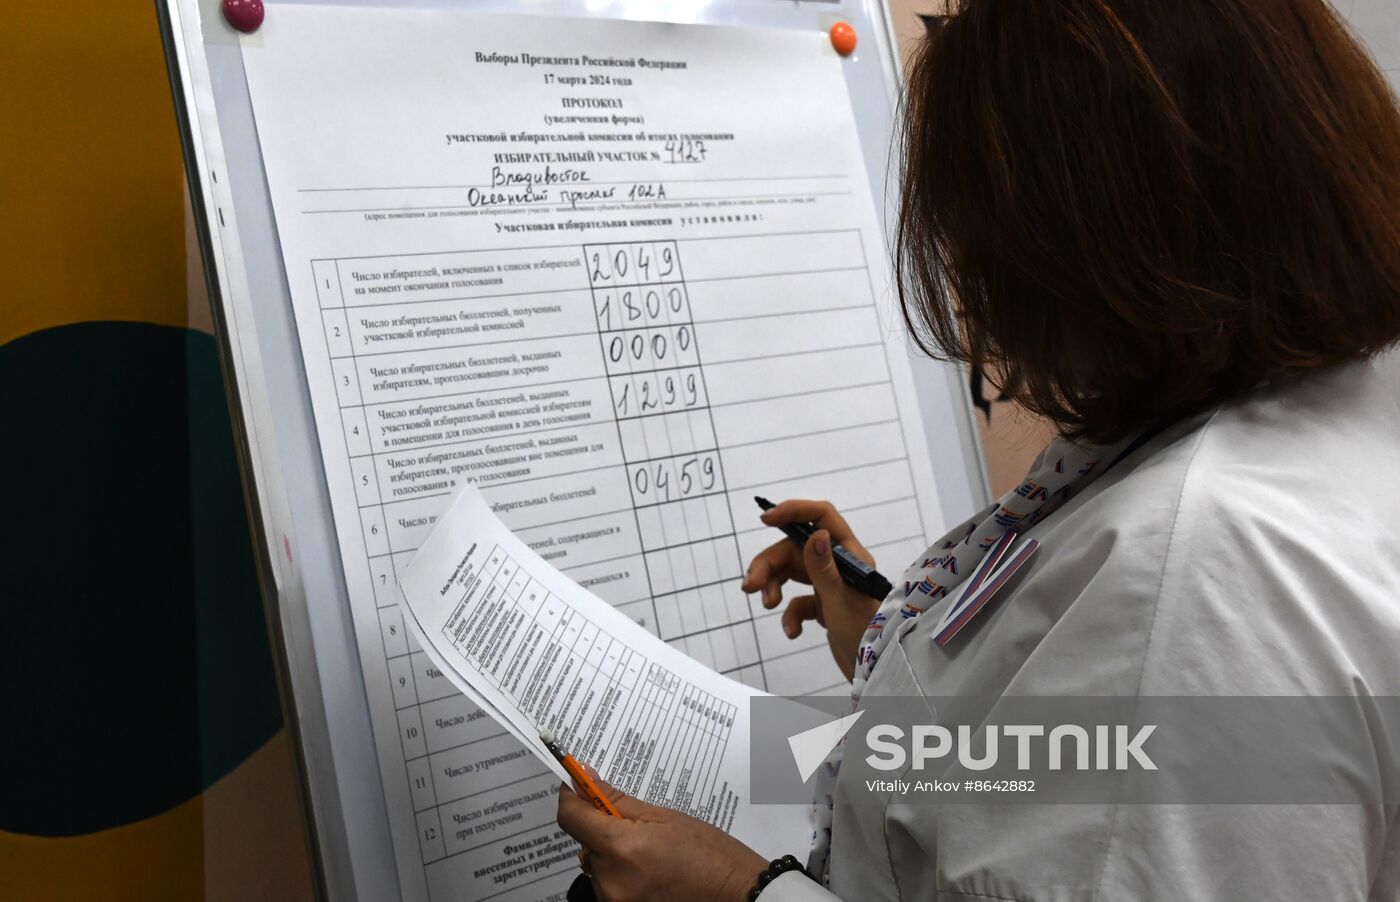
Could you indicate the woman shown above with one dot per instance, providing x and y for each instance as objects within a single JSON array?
[{"x": 1173, "y": 229}]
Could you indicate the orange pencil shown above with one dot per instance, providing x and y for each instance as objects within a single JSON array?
[{"x": 585, "y": 782}]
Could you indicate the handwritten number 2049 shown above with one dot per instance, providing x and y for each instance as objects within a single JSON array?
[{"x": 632, "y": 263}]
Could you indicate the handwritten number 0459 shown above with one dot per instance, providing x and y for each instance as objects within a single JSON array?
[{"x": 693, "y": 475}]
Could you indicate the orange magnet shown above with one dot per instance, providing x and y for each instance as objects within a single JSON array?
[{"x": 843, "y": 38}]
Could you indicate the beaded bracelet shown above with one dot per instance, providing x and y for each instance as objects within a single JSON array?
[{"x": 776, "y": 867}]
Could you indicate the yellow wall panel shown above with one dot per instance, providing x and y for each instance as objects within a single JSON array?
[
  {"x": 255, "y": 847},
  {"x": 89, "y": 168},
  {"x": 154, "y": 860}
]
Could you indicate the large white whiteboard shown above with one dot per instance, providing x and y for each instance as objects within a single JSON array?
[{"x": 290, "y": 504}]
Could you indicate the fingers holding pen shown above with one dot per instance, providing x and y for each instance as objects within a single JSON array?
[
  {"x": 773, "y": 566},
  {"x": 800, "y": 610},
  {"x": 822, "y": 515}
]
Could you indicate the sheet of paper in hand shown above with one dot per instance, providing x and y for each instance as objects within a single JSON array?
[{"x": 538, "y": 651}]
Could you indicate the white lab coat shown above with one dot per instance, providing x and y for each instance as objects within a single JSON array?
[{"x": 1254, "y": 550}]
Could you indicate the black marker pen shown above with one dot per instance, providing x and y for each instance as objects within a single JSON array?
[{"x": 855, "y": 572}]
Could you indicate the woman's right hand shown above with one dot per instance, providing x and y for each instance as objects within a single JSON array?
[{"x": 844, "y": 611}]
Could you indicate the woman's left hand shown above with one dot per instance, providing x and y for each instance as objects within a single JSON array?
[{"x": 656, "y": 853}]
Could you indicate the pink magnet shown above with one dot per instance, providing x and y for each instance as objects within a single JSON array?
[{"x": 245, "y": 15}]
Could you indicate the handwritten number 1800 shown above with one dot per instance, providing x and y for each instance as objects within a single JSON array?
[{"x": 632, "y": 307}]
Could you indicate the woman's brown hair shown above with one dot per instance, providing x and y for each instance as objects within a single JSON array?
[{"x": 1131, "y": 210}]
